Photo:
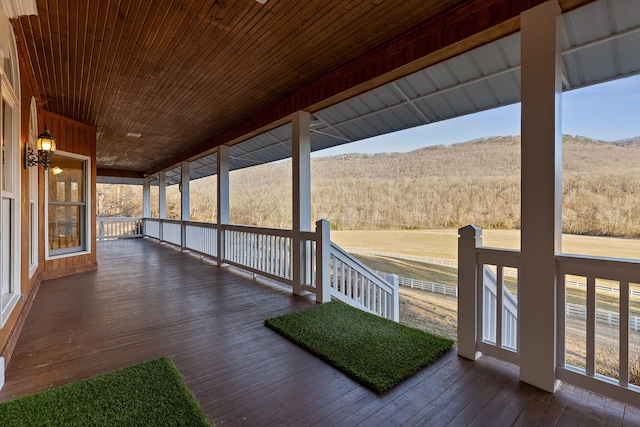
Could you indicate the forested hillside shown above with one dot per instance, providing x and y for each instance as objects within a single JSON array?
[{"x": 440, "y": 186}]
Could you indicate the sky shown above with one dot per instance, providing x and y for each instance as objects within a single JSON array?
[{"x": 608, "y": 111}]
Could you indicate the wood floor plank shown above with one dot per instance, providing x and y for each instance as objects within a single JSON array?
[{"x": 148, "y": 300}]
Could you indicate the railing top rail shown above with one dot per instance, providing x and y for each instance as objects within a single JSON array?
[
  {"x": 202, "y": 224},
  {"x": 309, "y": 235},
  {"x": 618, "y": 269},
  {"x": 259, "y": 230},
  {"x": 503, "y": 257},
  {"x": 171, "y": 221},
  {"x": 118, "y": 218},
  {"x": 167, "y": 220}
]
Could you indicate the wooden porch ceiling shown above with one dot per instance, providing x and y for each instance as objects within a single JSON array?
[{"x": 191, "y": 75}]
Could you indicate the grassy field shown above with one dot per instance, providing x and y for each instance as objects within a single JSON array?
[{"x": 443, "y": 243}]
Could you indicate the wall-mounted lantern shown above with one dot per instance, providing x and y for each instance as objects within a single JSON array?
[{"x": 45, "y": 145}]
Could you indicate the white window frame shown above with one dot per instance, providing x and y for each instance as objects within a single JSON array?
[
  {"x": 10, "y": 93},
  {"x": 88, "y": 232},
  {"x": 33, "y": 193}
]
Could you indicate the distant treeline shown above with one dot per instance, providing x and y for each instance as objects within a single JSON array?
[{"x": 476, "y": 182}]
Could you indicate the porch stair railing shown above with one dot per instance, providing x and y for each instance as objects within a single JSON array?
[
  {"x": 356, "y": 284},
  {"x": 326, "y": 270},
  {"x": 491, "y": 307}
]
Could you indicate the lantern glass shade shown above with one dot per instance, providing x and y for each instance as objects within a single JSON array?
[{"x": 46, "y": 142}]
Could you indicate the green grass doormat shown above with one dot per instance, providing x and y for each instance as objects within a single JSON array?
[
  {"x": 148, "y": 394},
  {"x": 377, "y": 352}
]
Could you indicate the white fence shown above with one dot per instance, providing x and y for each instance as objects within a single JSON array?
[
  {"x": 423, "y": 285},
  {"x": 610, "y": 318},
  {"x": 572, "y": 310},
  {"x": 428, "y": 260},
  {"x": 602, "y": 288},
  {"x": 319, "y": 266}
]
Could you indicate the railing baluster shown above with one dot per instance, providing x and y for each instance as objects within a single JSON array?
[
  {"x": 591, "y": 326},
  {"x": 499, "y": 305},
  {"x": 624, "y": 335}
]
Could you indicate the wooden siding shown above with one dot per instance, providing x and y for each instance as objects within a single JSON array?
[
  {"x": 149, "y": 300},
  {"x": 77, "y": 138}
]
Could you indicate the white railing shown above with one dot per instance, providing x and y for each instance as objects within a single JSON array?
[
  {"x": 171, "y": 231},
  {"x": 118, "y": 228},
  {"x": 354, "y": 283},
  {"x": 266, "y": 251},
  {"x": 201, "y": 237},
  {"x": 615, "y": 328},
  {"x": 319, "y": 266},
  {"x": 151, "y": 228},
  {"x": 624, "y": 272},
  {"x": 487, "y": 311}
]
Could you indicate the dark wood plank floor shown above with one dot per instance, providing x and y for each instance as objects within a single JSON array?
[{"x": 148, "y": 300}]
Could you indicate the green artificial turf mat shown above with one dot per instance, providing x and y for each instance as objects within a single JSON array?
[
  {"x": 377, "y": 352},
  {"x": 148, "y": 394}
]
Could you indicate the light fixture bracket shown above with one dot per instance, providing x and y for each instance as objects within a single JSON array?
[{"x": 32, "y": 158}]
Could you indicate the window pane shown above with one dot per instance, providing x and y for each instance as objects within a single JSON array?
[
  {"x": 5, "y": 248},
  {"x": 66, "y": 180},
  {"x": 5, "y": 151},
  {"x": 65, "y": 226}
]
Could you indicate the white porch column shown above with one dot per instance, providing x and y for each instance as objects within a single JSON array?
[
  {"x": 162, "y": 195},
  {"x": 185, "y": 177},
  {"x": 223, "y": 198},
  {"x": 541, "y": 192},
  {"x": 301, "y": 168},
  {"x": 146, "y": 198}
]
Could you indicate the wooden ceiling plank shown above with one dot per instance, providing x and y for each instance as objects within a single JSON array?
[
  {"x": 152, "y": 89},
  {"x": 134, "y": 61},
  {"x": 165, "y": 31},
  {"x": 112, "y": 35},
  {"x": 119, "y": 72},
  {"x": 281, "y": 73},
  {"x": 107, "y": 41},
  {"x": 152, "y": 128},
  {"x": 87, "y": 78},
  {"x": 48, "y": 53},
  {"x": 79, "y": 48},
  {"x": 228, "y": 66},
  {"x": 198, "y": 65},
  {"x": 297, "y": 30},
  {"x": 359, "y": 10},
  {"x": 65, "y": 56},
  {"x": 26, "y": 30}
]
